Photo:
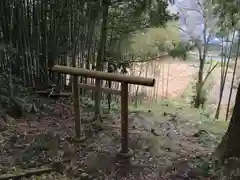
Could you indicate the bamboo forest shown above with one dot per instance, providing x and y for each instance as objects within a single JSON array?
[{"x": 119, "y": 89}]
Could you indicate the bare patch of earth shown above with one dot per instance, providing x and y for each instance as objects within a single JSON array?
[
  {"x": 172, "y": 77},
  {"x": 214, "y": 94}
]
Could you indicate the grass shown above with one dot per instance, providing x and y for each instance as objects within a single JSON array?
[
  {"x": 200, "y": 119},
  {"x": 191, "y": 122},
  {"x": 190, "y": 90},
  {"x": 199, "y": 132},
  {"x": 209, "y": 61}
]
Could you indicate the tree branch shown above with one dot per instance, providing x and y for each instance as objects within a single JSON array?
[{"x": 209, "y": 72}]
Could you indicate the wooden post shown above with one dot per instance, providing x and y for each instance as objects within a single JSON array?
[
  {"x": 125, "y": 80},
  {"x": 104, "y": 76},
  {"x": 76, "y": 107},
  {"x": 98, "y": 100},
  {"x": 124, "y": 118}
]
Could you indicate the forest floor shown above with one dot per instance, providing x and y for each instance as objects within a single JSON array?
[{"x": 170, "y": 141}]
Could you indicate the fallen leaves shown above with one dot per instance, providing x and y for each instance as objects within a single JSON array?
[{"x": 45, "y": 139}]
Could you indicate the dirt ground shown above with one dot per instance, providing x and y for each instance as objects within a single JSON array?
[
  {"x": 164, "y": 146},
  {"x": 214, "y": 94},
  {"x": 172, "y": 77}
]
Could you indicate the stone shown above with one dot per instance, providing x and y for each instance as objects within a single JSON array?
[
  {"x": 2, "y": 125},
  {"x": 15, "y": 108},
  {"x": 84, "y": 176},
  {"x": 8, "y": 119},
  {"x": 33, "y": 108}
]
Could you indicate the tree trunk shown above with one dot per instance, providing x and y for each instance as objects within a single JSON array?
[
  {"x": 229, "y": 147},
  {"x": 75, "y": 80},
  {"x": 100, "y": 58},
  {"x": 233, "y": 78},
  {"x": 199, "y": 85},
  {"x": 168, "y": 73},
  {"x": 137, "y": 89},
  {"x": 109, "y": 96},
  {"x": 224, "y": 74}
]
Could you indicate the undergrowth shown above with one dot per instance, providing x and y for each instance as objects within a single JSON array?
[
  {"x": 202, "y": 118},
  {"x": 205, "y": 132}
]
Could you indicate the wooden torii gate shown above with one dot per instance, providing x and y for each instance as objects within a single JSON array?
[{"x": 123, "y": 79}]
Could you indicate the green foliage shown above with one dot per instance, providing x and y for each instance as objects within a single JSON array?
[
  {"x": 34, "y": 150},
  {"x": 228, "y": 13},
  {"x": 161, "y": 40},
  {"x": 134, "y": 26},
  {"x": 203, "y": 97},
  {"x": 158, "y": 16},
  {"x": 180, "y": 50},
  {"x": 211, "y": 61},
  {"x": 127, "y": 17},
  {"x": 131, "y": 16},
  {"x": 154, "y": 41},
  {"x": 205, "y": 165},
  {"x": 222, "y": 33},
  {"x": 44, "y": 33}
]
